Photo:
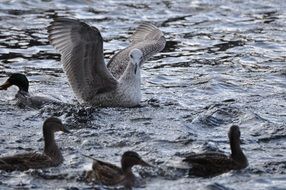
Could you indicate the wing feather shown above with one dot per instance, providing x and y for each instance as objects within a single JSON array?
[
  {"x": 148, "y": 38},
  {"x": 81, "y": 47},
  {"x": 107, "y": 173},
  {"x": 25, "y": 161}
]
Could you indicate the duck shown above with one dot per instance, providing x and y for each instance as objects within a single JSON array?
[
  {"x": 94, "y": 83},
  {"x": 111, "y": 175},
  {"x": 211, "y": 164},
  {"x": 51, "y": 157},
  {"x": 23, "y": 97}
]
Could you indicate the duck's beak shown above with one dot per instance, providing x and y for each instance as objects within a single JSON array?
[
  {"x": 143, "y": 163},
  {"x": 65, "y": 130},
  {"x": 6, "y": 85}
]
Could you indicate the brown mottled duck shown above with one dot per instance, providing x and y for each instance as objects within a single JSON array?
[
  {"x": 51, "y": 156},
  {"x": 213, "y": 163},
  {"x": 111, "y": 175}
]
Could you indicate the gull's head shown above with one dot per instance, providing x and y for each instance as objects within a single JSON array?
[{"x": 136, "y": 57}]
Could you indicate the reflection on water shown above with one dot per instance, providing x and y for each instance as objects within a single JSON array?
[{"x": 224, "y": 63}]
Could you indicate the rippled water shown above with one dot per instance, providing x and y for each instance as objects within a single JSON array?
[{"x": 224, "y": 63}]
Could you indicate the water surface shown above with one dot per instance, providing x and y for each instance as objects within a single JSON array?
[{"x": 224, "y": 63}]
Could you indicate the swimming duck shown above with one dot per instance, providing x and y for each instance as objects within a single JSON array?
[
  {"x": 116, "y": 84},
  {"x": 111, "y": 175},
  {"x": 23, "y": 96},
  {"x": 213, "y": 163},
  {"x": 51, "y": 156}
]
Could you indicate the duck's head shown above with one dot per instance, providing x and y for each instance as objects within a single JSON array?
[
  {"x": 130, "y": 159},
  {"x": 54, "y": 124},
  {"x": 18, "y": 80},
  {"x": 234, "y": 133},
  {"x": 236, "y": 151},
  {"x": 136, "y": 57}
]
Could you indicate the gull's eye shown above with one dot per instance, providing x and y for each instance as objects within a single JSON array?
[{"x": 131, "y": 56}]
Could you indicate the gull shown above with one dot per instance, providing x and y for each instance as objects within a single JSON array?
[{"x": 115, "y": 84}]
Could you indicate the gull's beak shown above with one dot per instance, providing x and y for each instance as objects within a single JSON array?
[
  {"x": 135, "y": 71},
  {"x": 143, "y": 163},
  {"x": 65, "y": 130},
  {"x": 6, "y": 85}
]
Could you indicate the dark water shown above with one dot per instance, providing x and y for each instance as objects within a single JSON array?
[{"x": 224, "y": 63}]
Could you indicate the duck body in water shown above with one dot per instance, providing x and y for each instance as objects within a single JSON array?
[
  {"x": 213, "y": 163},
  {"x": 51, "y": 156},
  {"x": 23, "y": 97},
  {"x": 112, "y": 175}
]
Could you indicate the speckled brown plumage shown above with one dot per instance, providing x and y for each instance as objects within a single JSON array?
[
  {"x": 111, "y": 175},
  {"x": 51, "y": 156},
  {"x": 212, "y": 163}
]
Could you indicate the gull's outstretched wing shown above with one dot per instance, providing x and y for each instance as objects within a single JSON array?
[
  {"x": 81, "y": 48},
  {"x": 148, "y": 38}
]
